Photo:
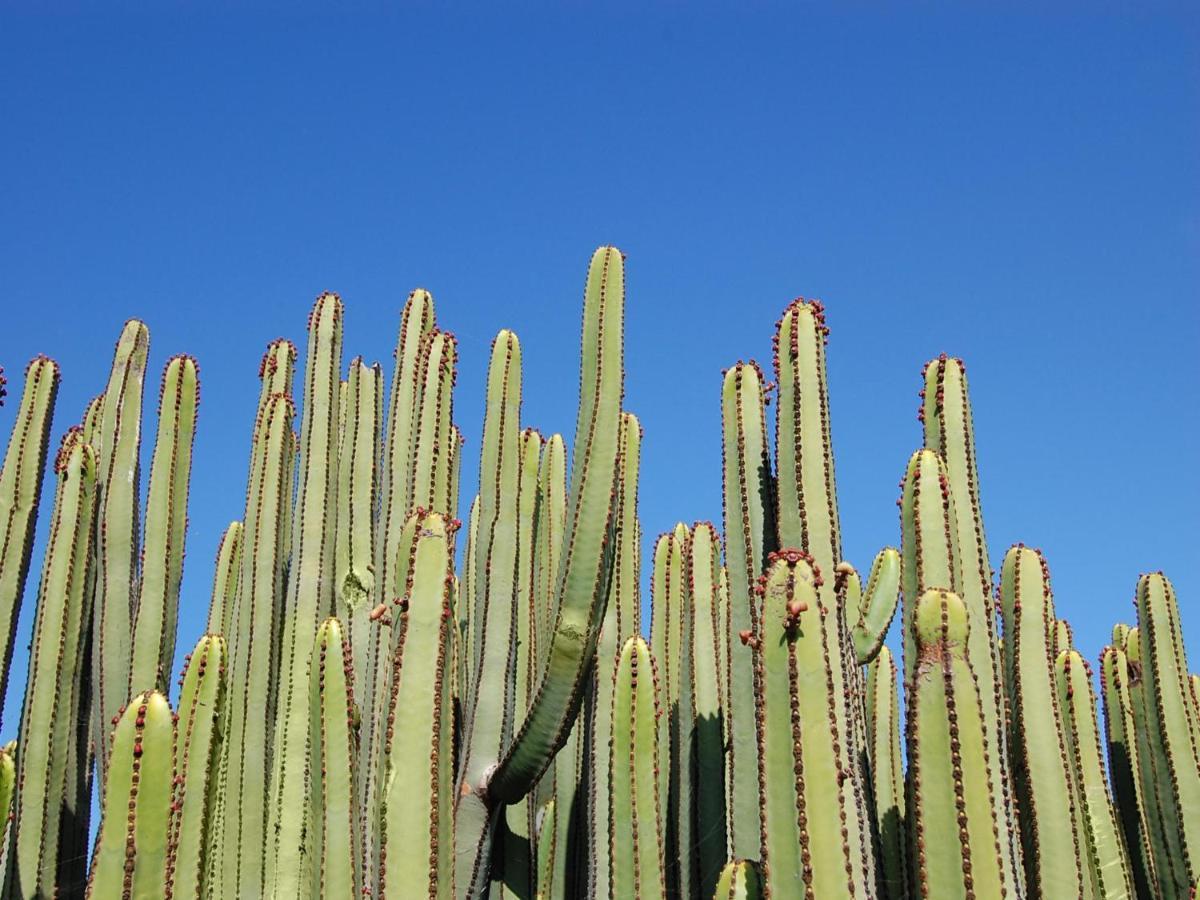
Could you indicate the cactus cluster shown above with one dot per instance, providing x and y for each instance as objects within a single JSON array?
[{"x": 392, "y": 702}]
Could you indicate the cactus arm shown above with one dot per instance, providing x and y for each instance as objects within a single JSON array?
[
  {"x": 620, "y": 623},
  {"x": 740, "y": 880},
  {"x": 887, "y": 775},
  {"x": 1050, "y": 841},
  {"x": 433, "y": 440},
  {"x": 680, "y": 718},
  {"x": 747, "y": 491},
  {"x": 197, "y": 760},
  {"x": 667, "y": 581},
  {"x": 157, "y": 608},
  {"x": 117, "y": 532},
  {"x": 8, "y": 784},
  {"x": 1106, "y": 864},
  {"x": 332, "y": 767},
  {"x": 417, "y": 804},
  {"x": 131, "y": 852},
  {"x": 225, "y": 580},
  {"x": 50, "y": 691},
  {"x": 488, "y": 717},
  {"x": 874, "y": 608},
  {"x": 586, "y": 564},
  {"x": 20, "y": 489},
  {"x": 466, "y": 604},
  {"x": 358, "y": 495},
  {"x": 551, "y": 521},
  {"x": 569, "y": 874},
  {"x": 1172, "y": 729},
  {"x": 635, "y": 824},
  {"x": 951, "y": 793},
  {"x": 253, "y": 681},
  {"x": 310, "y": 597},
  {"x": 703, "y": 684},
  {"x": 950, "y": 432}
]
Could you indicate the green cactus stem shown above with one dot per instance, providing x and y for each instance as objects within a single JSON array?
[
  {"x": 1105, "y": 864},
  {"x": 309, "y": 596},
  {"x": 1052, "y": 845},
  {"x": 434, "y": 440},
  {"x": 118, "y": 445},
  {"x": 157, "y": 607},
  {"x": 748, "y": 488},
  {"x": 635, "y": 820},
  {"x": 225, "y": 579},
  {"x": 8, "y": 785},
  {"x": 887, "y": 773},
  {"x": 950, "y": 432},
  {"x": 197, "y": 767},
  {"x": 132, "y": 847},
  {"x": 48, "y": 716},
  {"x": 1172, "y": 726},
  {"x": 951, "y": 800},
  {"x": 20, "y": 491},
  {"x": 740, "y": 880},
  {"x": 332, "y": 767},
  {"x": 873, "y": 609}
]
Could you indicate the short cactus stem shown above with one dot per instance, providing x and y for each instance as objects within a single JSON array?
[
  {"x": 635, "y": 817},
  {"x": 951, "y": 794},
  {"x": 225, "y": 580},
  {"x": 133, "y": 847},
  {"x": 8, "y": 785},
  {"x": 871, "y": 610},
  {"x": 739, "y": 880}
]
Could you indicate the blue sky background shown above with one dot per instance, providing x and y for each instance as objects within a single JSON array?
[{"x": 1020, "y": 188}]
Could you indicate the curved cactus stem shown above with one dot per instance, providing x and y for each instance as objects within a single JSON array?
[
  {"x": 252, "y": 650},
  {"x": 309, "y": 599},
  {"x": 333, "y": 755},
  {"x": 703, "y": 685},
  {"x": 225, "y": 580},
  {"x": 358, "y": 496},
  {"x": 947, "y": 752},
  {"x": 620, "y": 623},
  {"x": 887, "y": 773},
  {"x": 1141, "y": 833},
  {"x": 197, "y": 766},
  {"x": 118, "y": 446},
  {"x": 157, "y": 608},
  {"x": 748, "y": 492},
  {"x": 739, "y": 880},
  {"x": 874, "y": 608},
  {"x": 51, "y": 691},
  {"x": 1105, "y": 864},
  {"x": 635, "y": 822},
  {"x": 586, "y": 566},
  {"x": 130, "y": 858},
  {"x": 20, "y": 491},
  {"x": 1172, "y": 721},
  {"x": 1052, "y": 846}
]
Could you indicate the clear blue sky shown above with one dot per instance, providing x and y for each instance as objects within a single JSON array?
[{"x": 1021, "y": 189}]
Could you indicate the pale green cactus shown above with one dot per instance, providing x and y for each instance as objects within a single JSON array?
[
  {"x": 887, "y": 773},
  {"x": 739, "y": 880}
]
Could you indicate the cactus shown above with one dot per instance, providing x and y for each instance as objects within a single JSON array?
[
  {"x": 20, "y": 490},
  {"x": 132, "y": 848},
  {"x": 635, "y": 815},
  {"x": 887, "y": 775},
  {"x": 739, "y": 880}
]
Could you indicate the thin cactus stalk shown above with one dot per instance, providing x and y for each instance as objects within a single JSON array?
[
  {"x": 20, "y": 490},
  {"x": 132, "y": 847},
  {"x": 8, "y": 786},
  {"x": 747, "y": 489},
  {"x": 1138, "y": 829},
  {"x": 433, "y": 441},
  {"x": 951, "y": 794},
  {"x": 568, "y": 877},
  {"x": 635, "y": 818},
  {"x": 1105, "y": 863},
  {"x": 546, "y": 847},
  {"x": 417, "y": 810},
  {"x": 157, "y": 607},
  {"x": 703, "y": 687},
  {"x": 620, "y": 623},
  {"x": 48, "y": 719},
  {"x": 197, "y": 766},
  {"x": 332, "y": 766},
  {"x": 551, "y": 521},
  {"x": 225, "y": 580},
  {"x": 358, "y": 495},
  {"x": 872, "y": 609},
  {"x": 950, "y": 432},
  {"x": 666, "y": 603},
  {"x": 1172, "y": 721},
  {"x": 739, "y": 880},
  {"x": 1051, "y": 844},
  {"x": 887, "y": 774},
  {"x": 249, "y": 744},
  {"x": 309, "y": 599},
  {"x": 118, "y": 445},
  {"x": 677, "y": 753}
]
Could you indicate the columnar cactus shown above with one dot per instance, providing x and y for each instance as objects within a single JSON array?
[{"x": 887, "y": 774}]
